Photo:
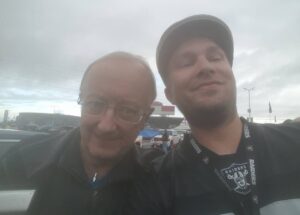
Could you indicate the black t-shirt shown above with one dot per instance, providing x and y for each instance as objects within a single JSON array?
[
  {"x": 235, "y": 171},
  {"x": 187, "y": 185}
]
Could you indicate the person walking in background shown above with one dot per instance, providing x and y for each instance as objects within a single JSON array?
[{"x": 165, "y": 141}]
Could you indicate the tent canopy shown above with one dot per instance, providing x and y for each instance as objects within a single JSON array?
[{"x": 149, "y": 133}]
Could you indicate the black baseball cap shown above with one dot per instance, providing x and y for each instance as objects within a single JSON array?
[{"x": 194, "y": 26}]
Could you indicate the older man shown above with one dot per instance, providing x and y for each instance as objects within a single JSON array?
[
  {"x": 91, "y": 169},
  {"x": 226, "y": 165}
]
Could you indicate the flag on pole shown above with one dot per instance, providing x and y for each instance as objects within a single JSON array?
[{"x": 270, "y": 108}]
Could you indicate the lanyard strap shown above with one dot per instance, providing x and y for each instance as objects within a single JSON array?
[{"x": 250, "y": 157}]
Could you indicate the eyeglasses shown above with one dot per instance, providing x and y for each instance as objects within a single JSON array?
[{"x": 126, "y": 113}]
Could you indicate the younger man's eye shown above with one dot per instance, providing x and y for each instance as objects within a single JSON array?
[
  {"x": 215, "y": 57},
  {"x": 185, "y": 62}
]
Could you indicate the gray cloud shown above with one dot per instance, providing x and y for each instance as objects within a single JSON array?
[{"x": 47, "y": 45}]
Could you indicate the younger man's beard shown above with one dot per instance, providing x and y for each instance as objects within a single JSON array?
[{"x": 210, "y": 117}]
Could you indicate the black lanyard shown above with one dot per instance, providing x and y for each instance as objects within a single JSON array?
[{"x": 250, "y": 157}]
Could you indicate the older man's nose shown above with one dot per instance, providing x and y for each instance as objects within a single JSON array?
[{"x": 107, "y": 122}]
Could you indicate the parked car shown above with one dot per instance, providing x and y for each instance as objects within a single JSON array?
[
  {"x": 15, "y": 202},
  {"x": 11, "y": 137},
  {"x": 145, "y": 138}
]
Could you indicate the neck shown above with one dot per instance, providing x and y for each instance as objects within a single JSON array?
[
  {"x": 97, "y": 169},
  {"x": 222, "y": 139},
  {"x": 94, "y": 166}
]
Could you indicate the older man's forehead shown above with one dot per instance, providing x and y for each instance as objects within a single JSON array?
[
  {"x": 113, "y": 78},
  {"x": 117, "y": 65}
]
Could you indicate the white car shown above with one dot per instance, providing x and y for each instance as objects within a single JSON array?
[{"x": 145, "y": 143}]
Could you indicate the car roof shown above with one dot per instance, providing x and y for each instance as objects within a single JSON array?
[
  {"x": 10, "y": 138},
  {"x": 18, "y": 134}
]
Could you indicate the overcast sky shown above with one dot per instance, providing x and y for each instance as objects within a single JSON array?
[{"x": 45, "y": 46}]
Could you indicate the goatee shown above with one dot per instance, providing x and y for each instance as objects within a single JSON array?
[{"x": 210, "y": 117}]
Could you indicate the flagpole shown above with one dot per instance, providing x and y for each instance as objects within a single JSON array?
[{"x": 249, "y": 104}]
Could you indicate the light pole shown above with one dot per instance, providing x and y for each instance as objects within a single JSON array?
[{"x": 249, "y": 104}]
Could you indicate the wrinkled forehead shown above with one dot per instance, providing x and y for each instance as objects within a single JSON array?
[
  {"x": 119, "y": 78},
  {"x": 113, "y": 70},
  {"x": 114, "y": 65}
]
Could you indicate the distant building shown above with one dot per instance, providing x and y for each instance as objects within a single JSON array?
[
  {"x": 5, "y": 117},
  {"x": 162, "y": 122},
  {"x": 297, "y": 119},
  {"x": 162, "y": 110},
  {"x": 160, "y": 118},
  {"x": 45, "y": 121}
]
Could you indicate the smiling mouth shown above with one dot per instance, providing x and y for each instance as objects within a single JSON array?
[{"x": 206, "y": 84}]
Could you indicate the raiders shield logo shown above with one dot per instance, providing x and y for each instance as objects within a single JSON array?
[{"x": 237, "y": 177}]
